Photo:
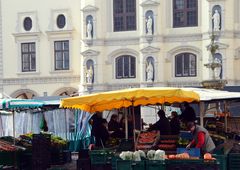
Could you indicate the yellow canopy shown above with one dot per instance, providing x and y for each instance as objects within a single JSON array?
[{"x": 129, "y": 97}]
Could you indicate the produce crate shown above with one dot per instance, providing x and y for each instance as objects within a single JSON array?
[
  {"x": 234, "y": 161},
  {"x": 114, "y": 162},
  {"x": 222, "y": 159},
  {"x": 83, "y": 164},
  {"x": 155, "y": 165},
  {"x": 83, "y": 154},
  {"x": 130, "y": 165},
  {"x": 100, "y": 157},
  {"x": 191, "y": 165},
  {"x": 193, "y": 152},
  {"x": 10, "y": 158}
]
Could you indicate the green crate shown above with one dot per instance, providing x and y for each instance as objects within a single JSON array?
[
  {"x": 155, "y": 165},
  {"x": 130, "y": 165},
  {"x": 234, "y": 161},
  {"x": 222, "y": 159},
  {"x": 10, "y": 158},
  {"x": 100, "y": 157}
]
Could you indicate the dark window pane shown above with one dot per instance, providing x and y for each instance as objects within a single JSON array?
[
  {"x": 179, "y": 4},
  {"x": 61, "y": 21},
  {"x": 118, "y": 6},
  {"x": 28, "y": 57},
  {"x": 185, "y": 13},
  {"x": 27, "y": 24},
  {"x": 125, "y": 67},
  {"x": 61, "y": 55},
  {"x": 124, "y": 15},
  {"x": 191, "y": 18},
  {"x": 131, "y": 24},
  {"x": 185, "y": 65},
  {"x": 118, "y": 24}
]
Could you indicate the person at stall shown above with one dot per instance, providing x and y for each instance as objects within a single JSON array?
[
  {"x": 130, "y": 125},
  {"x": 98, "y": 128},
  {"x": 175, "y": 123},
  {"x": 115, "y": 128},
  {"x": 201, "y": 138},
  {"x": 162, "y": 126},
  {"x": 188, "y": 113},
  {"x": 104, "y": 134}
]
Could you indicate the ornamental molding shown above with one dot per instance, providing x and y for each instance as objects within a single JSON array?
[
  {"x": 122, "y": 41},
  {"x": 41, "y": 80},
  {"x": 182, "y": 38},
  {"x": 89, "y": 8},
  {"x": 58, "y": 33},
  {"x": 150, "y": 50},
  {"x": 183, "y": 49},
  {"x": 237, "y": 54},
  {"x": 149, "y": 3},
  {"x": 90, "y": 53},
  {"x": 216, "y": 0}
]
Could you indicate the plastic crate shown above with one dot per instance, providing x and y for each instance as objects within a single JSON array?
[
  {"x": 83, "y": 164},
  {"x": 100, "y": 157},
  {"x": 10, "y": 158},
  {"x": 222, "y": 159},
  {"x": 185, "y": 135},
  {"x": 234, "y": 161},
  {"x": 193, "y": 152},
  {"x": 155, "y": 165},
  {"x": 130, "y": 165},
  {"x": 191, "y": 165}
]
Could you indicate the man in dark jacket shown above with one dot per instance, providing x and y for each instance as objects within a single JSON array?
[
  {"x": 162, "y": 126},
  {"x": 188, "y": 114}
]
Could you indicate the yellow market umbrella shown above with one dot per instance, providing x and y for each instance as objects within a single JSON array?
[{"x": 129, "y": 97}]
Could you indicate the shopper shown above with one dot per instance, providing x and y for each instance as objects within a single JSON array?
[
  {"x": 188, "y": 114},
  {"x": 201, "y": 138},
  {"x": 115, "y": 128}
]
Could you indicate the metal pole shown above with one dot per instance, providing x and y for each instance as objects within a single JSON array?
[
  {"x": 134, "y": 126},
  {"x": 201, "y": 106},
  {"x": 14, "y": 142},
  {"x": 65, "y": 123},
  {"x": 225, "y": 116},
  {"x": 126, "y": 123}
]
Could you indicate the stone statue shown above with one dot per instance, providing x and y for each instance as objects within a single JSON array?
[
  {"x": 218, "y": 70},
  {"x": 89, "y": 29},
  {"x": 216, "y": 21},
  {"x": 149, "y": 22},
  {"x": 89, "y": 75},
  {"x": 149, "y": 71}
]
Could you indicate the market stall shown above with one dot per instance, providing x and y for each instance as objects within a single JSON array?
[{"x": 146, "y": 96}]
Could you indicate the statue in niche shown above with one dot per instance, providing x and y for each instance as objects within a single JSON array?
[
  {"x": 216, "y": 21},
  {"x": 89, "y": 29},
  {"x": 89, "y": 75},
  {"x": 149, "y": 22},
  {"x": 218, "y": 70},
  {"x": 149, "y": 71}
]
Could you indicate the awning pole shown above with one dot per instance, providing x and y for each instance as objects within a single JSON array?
[
  {"x": 126, "y": 123},
  {"x": 14, "y": 135},
  {"x": 134, "y": 127},
  {"x": 201, "y": 105},
  {"x": 225, "y": 116}
]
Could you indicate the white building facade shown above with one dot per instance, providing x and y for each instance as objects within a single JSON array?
[{"x": 62, "y": 47}]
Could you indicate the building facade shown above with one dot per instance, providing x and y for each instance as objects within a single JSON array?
[{"x": 62, "y": 47}]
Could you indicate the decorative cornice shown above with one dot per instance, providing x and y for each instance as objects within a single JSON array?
[
  {"x": 89, "y": 8},
  {"x": 182, "y": 38},
  {"x": 150, "y": 50},
  {"x": 55, "y": 34},
  {"x": 90, "y": 52},
  {"x": 26, "y": 35},
  {"x": 149, "y": 3},
  {"x": 215, "y": 0},
  {"x": 41, "y": 80},
  {"x": 121, "y": 41}
]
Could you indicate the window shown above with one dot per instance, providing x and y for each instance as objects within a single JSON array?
[
  {"x": 28, "y": 54},
  {"x": 125, "y": 67},
  {"x": 185, "y": 65},
  {"x": 61, "y": 53},
  {"x": 124, "y": 12},
  {"x": 61, "y": 21},
  {"x": 185, "y": 13},
  {"x": 27, "y": 24}
]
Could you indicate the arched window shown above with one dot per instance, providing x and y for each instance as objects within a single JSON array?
[
  {"x": 125, "y": 67},
  {"x": 185, "y": 65},
  {"x": 185, "y": 13},
  {"x": 124, "y": 15}
]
